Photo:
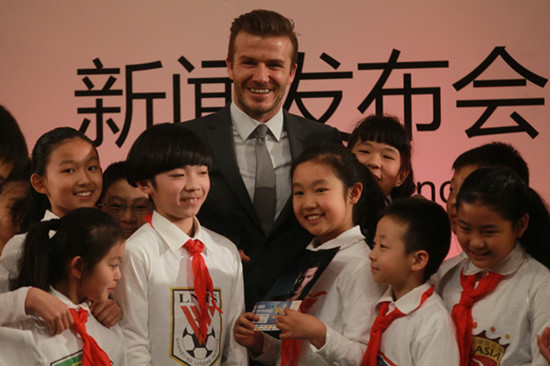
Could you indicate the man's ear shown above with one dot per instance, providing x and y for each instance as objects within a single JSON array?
[
  {"x": 292, "y": 74},
  {"x": 229, "y": 68},
  {"x": 38, "y": 183},
  {"x": 419, "y": 260},
  {"x": 146, "y": 186},
  {"x": 77, "y": 267},
  {"x": 401, "y": 177}
]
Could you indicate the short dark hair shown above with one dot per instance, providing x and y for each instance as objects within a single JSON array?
[
  {"x": 263, "y": 23},
  {"x": 13, "y": 148},
  {"x": 114, "y": 172},
  {"x": 428, "y": 228},
  {"x": 388, "y": 130},
  {"x": 494, "y": 154},
  {"x": 164, "y": 147}
]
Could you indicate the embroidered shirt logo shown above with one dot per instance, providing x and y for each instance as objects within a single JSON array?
[
  {"x": 487, "y": 351},
  {"x": 188, "y": 345}
]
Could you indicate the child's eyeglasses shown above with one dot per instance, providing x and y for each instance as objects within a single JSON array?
[{"x": 117, "y": 207}]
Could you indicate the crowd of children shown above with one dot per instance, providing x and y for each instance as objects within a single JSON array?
[{"x": 139, "y": 281}]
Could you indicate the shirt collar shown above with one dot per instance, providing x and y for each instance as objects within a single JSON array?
[
  {"x": 48, "y": 215},
  {"x": 508, "y": 266},
  {"x": 172, "y": 235},
  {"x": 408, "y": 302},
  {"x": 245, "y": 125},
  {"x": 343, "y": 241},
  {"x": 68, "y": 301}
]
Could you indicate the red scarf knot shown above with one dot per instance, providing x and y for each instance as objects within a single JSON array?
[
  {"x": 381, "y": 323},
  {"x": 92, "y": 354},
  {"x": 462, "y": 311}
]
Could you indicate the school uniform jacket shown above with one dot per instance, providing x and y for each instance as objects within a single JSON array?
[
  {"x": 508, "y": 319},
  {"x": 157, "y": 296},
  {"x": 28, "y": 341},
  {"x": 347, "y": 295},
  {"x": 424, "y": 336},
  {"x": 229, "y": 211}
]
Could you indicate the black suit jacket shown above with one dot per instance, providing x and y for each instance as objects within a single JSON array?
[{"x": 229, "y": 210}]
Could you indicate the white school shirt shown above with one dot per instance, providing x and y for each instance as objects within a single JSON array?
[
  {"x": 346, "y": 309},
  {"x": 42, "y": 348},
  {"x": 425, "y": 336},
  {"x": 157, "y": 291},
  {"x": 508, "y": 319}
]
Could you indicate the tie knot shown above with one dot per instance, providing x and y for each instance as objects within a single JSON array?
[
  {"x": 194, "y": 246},
  {"x": 261, "y": 131}
]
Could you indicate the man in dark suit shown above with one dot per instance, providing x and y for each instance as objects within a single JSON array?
[{"x": 261, "y": 61}]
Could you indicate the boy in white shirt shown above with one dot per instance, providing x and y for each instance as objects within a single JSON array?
[
  {"x": 413, "y": 327},
  {"x": 182, "y": 286}
]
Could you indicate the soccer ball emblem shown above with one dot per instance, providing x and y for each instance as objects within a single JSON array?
[{"x": 193, "y": 346}]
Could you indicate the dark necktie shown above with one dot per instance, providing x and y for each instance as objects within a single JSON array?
[
  {"x": 264, "y": 193},
  {"x": 462, "y": 311},
  {"x": 92, "y": 354}
]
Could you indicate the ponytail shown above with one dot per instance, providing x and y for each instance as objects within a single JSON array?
[
  {"x": 35, "y": 263},
  {"x": 536, "y": 239},
  {"x": 49, "y": 247}
]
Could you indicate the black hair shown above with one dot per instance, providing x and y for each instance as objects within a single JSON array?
[
  {"x": 113, "y": 173},
  {"x": 164, "y": 147},
  {"x": 40, "y": 158},
  {"x": 21, "y": 207},
  {"x": 428, "y": 228},
  {"x": 388, "y": 130},
  {"x": 350, "y": 171},
  {"x": 50, "y": 246},
  {"x": 13, "y": 148},
  {"x": 508, "y": 194},
  {"x": 263, "y": 23},
  {"x": 494, "y": 154}
]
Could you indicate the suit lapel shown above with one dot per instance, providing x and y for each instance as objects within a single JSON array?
[{"x": 220, "y": 138}]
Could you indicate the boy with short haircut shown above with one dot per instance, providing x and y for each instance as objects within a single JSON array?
[
  {"x": 413, "y": 327},
  {"x": 127, "y": 204},
  {"x": 491, "y": 154},
  {"x": 182, "y": 287}
]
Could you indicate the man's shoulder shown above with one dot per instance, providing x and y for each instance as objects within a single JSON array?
[
  {"x": 307, "y": 123},
  {"x": 200, "y": 123}
]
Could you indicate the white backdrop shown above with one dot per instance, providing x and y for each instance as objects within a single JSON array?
[{"x": 49, "y": 77}]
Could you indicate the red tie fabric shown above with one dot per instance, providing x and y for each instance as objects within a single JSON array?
[
  {"x": 291, "y": 348},
  {"x": 462, "y": 311},
  {"x": 381, "y": 323},
  {"x": 202, "y": 282},
  {"x": 92, "y": 354}
]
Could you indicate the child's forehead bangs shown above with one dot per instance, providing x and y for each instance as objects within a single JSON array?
[{"x": 180, "y": 151}]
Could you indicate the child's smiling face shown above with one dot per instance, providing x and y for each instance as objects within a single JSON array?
[
  {"x": 322, "y": 205},
  {"x": 384, "y": 162},
  {"x": 484, "y": 235}
]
